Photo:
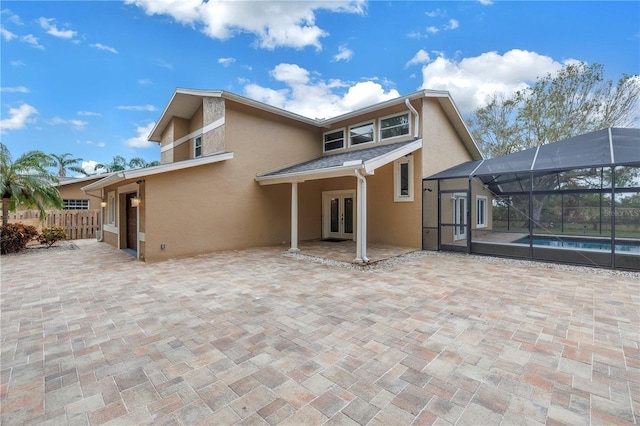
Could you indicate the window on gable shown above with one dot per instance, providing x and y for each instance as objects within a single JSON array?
[
  {"x": 333, "y": 140},
  {"x": 403, "y": 179},
  {"x": 76, "y": 204},
  {"x": 393, "y": 127},
  {"x": 197, "y": 147},
  {"x": 481, "y": 211},
  {"x": 361, "y": 134}
]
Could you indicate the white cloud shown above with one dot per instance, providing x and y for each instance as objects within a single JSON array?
[
  {"x": 471, "y": 81},
  {"x": 316, "y": 98},
  {"x": 486, "y": 2},
  {"x": 145, "y": 81},
  {"x": 6, "y": 34},
  {"x": 452, "y": 25},
  {"x": 101, "y": 46},
  {"x": 344, "y": 54},
  {"x": 18, "y": 118},
  {"x": 51, "y": 29},
  {"x": 17, "y": 63},
  {"x": 15, "y": 89},
  {"x": 33, "y": 41},
  {"x": 432, "y": 30},
  {"x": 434, "y": 13},
  {"x": 422, "y": 57},
  {"x": 225, "y": 62},
  {"x": 140, "y": 140},
  {"x": 98, "y": 144},
  {"x": 77, "y": 124},
  {"x": 14, "y": 19},
  {"x": 137, "y": 107},
  {"x": 89, "y": 167},
  {"x": 275, "y": 24},
  {"x": 89, "y": 114},
  {"x": 164, "y": 64}
]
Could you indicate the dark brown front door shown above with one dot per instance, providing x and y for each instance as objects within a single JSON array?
[{"x": 132, "y": 224}]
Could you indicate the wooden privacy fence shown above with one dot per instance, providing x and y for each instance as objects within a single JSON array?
[{"x": 78, "y": 224}]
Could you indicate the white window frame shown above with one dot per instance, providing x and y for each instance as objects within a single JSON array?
[
  {"x": 481, "y": 199},
  {"x": 324, "y": 142},
  {"x": 76, "y": 204},
  {"x": 398, "y": 197},
  {"x": 196, "y": 146},
  {"x": 111, "y": 208},
  {"x": 364, "y": 123},
  {"x": 380, "y": 128}
]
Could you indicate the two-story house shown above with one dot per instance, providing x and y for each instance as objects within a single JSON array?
[{"x": 236, "y": 173}]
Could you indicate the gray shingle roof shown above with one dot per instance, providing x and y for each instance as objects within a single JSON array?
[{"x": 337, "y": 160}]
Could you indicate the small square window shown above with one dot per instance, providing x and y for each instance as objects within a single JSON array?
[
  {"x": 333, "y": 140},
  {"x": 403, "y": 179},
  {"x": 361, "y": 134},
  {"x": 197, "y": 147}
]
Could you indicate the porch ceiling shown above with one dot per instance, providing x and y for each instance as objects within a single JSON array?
[{"x": 343, "y": 164}]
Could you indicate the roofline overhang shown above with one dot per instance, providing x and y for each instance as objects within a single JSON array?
[
  {"x": 82, "y": 179},
  {"x": 346, "y": 169},
  {"x": 163, "y": 168},
  {"x": 155, "y": 134}
]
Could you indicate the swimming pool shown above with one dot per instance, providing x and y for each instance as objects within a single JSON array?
[{"x": 582, "y": 243}]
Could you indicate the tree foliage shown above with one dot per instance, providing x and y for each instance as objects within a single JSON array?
[
  {"x": 27, "y": 181},
  {"x": 575, "y": 101},
  {"x": 62, "y": 163},
  {"x": 120, "y": 163}
]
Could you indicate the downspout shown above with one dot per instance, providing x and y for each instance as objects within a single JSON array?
[
  {"x": 415, "y": 113},
  {"x": 362, "y": 221}
]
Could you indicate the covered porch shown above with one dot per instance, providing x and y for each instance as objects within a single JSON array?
[{"x": 351, "y": 204}]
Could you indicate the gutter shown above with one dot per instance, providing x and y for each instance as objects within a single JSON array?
[{"x": 415, "y": 113}]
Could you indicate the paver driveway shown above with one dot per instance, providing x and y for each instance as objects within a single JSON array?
[{"x": 90, "y": 336}]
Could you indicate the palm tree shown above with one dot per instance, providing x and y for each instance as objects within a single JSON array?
[
  {"x": 138, "y": 163},
  {"x": 63, "y": 163},
  {"x": 27, "y": 181},
  {"x": 118, "y": 163}
]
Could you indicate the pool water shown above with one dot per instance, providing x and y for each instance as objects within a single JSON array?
[{"x": 582, "y": 243}]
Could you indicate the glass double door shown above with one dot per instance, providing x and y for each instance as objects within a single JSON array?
[{"x": 338, "y": 214}]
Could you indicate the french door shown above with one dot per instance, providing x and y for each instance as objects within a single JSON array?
[{"x": 338, "y": 214}]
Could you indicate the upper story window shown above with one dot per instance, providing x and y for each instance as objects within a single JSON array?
[
  {"x": 361, "y": 134},
  {"x": 197, "y": 146},
  {"x": 333, "y": 140},
  {"x": 76, "y": 204},
  {"x": 394, "y": 126}
]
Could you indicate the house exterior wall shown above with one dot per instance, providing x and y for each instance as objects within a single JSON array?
[
  {"x": 442, "y": 147},
  {"x": 390, "y": 222},
  {"x": 220, "y": 206},
  {"x": 184, "y": 150}
]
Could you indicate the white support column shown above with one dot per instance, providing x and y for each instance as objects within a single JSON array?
[
  {"x": 361, "y": 213},
  {"x": 358, "y": 258},
  {"x": 294, "y": 217}
]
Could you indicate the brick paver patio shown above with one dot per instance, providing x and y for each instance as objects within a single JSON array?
[{"x": 90, "y": 336}]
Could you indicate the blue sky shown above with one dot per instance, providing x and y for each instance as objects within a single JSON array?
[{"x": 91, "y": 78}]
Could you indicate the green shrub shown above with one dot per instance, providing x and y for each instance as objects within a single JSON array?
[
  {"x": 52, "y": 235},
  {"x": 14, "y": 237}
]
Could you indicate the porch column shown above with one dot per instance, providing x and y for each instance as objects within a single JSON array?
[
  {"x": 361, "y": 214},
  {"x": 294, "y": 217}
]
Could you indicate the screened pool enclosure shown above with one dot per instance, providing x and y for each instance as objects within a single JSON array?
[{"x": 572, "y": 201}]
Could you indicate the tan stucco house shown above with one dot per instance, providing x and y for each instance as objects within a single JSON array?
[{"x": 236, "y": 173}]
